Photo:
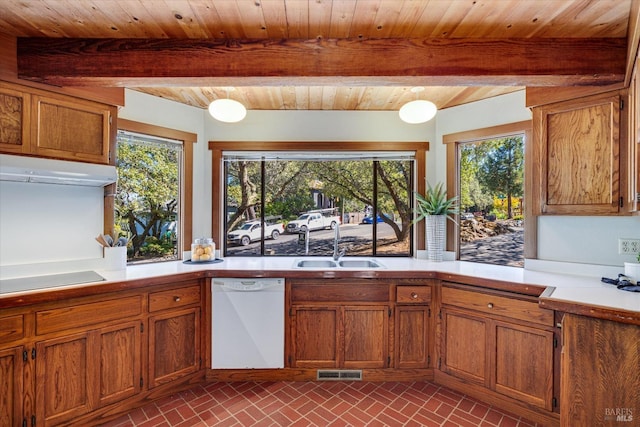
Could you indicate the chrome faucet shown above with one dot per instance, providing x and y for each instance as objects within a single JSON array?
[{"x": 336, "y": 238}]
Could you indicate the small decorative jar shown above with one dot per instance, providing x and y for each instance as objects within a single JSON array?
[{"x": 203, "y": 250}]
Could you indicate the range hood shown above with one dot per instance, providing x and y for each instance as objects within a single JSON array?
[{"x": 50, "y": 171}]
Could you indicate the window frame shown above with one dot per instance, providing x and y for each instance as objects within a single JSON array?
[
  {"x": 452, "y": 142},
  {"x": 186, "y": 176},
  {"x": 217, "y": 169}
]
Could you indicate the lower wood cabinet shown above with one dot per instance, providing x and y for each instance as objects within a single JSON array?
[
  {"x": 78, "y": 373},
  {"x": 71, "y": 361},
  {"x": 11, "y": 387},
  {"x": 339, "y": 324},
  {"x": 501, "y": 343},
  {"x": 413, "y": 331},
  {"x": 600, "y": 381},
  {"x": 340, "y": 336},
  {"x": 174, "y": 345}
]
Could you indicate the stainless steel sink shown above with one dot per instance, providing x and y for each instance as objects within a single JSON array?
[
  {"x": 316, "y": 263},
  {"x": 345, "y": 263},
  {"x": 359, "y": 263}
]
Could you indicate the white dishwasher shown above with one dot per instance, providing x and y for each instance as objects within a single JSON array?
[{"x": 247, "y": 323}]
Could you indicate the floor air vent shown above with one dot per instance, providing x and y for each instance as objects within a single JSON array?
[{"x": 339, "y": 375}]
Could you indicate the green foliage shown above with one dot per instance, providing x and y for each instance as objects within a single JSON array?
[
  {"x": 489, "y": 169},
  {"x": 435, "y": 202},
  {"x": 155, "y": 247},
  {"x": 147, "y": 191}
]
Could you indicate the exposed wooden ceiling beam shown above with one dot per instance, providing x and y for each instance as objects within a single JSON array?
[{"x": 166, "y": 62}]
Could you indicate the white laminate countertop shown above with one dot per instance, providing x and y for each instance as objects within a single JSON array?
[{"x": 567, "y": 288}]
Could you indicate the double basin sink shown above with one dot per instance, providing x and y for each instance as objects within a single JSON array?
[{"x": 331, "y": 264}]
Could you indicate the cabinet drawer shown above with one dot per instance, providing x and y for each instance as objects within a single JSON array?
[
  {"x": 528, "y": 311},
  {"x": 173, "y": 298},
  {"x": 413, "y": 294},
  {"x": 338, "y": 290},
  {"x": 11, "y": 328},
  {"x": 83, "y": 315}
]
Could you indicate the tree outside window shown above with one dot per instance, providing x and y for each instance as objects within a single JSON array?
[{"x": 147, "y": 198}]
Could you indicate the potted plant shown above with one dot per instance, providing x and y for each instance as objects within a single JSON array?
[
  {"x": 435, "y": 208},
  {"x": 632, "y": 269}
]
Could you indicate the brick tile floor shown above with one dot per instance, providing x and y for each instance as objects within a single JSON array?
[{"x": 321, "y": 404}]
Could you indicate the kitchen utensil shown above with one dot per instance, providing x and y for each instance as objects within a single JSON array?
[
  {"x": 122, "y": 241},
  {"x": 108, "y": 239},
  {"x": 100, "y": 239}
]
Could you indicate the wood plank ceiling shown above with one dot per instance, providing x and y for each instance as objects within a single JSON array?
[{"x": 319, "y": 19}]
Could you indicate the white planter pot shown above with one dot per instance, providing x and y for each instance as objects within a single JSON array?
[
  {"x": 632, "y": 269},
  {"x": 436, "y": 230}
]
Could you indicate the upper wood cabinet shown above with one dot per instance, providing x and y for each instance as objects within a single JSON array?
[
  {"x": 577, "y": 164},
  {"x": 14, "y": 120},
  {"x": 53, "y": 125}
]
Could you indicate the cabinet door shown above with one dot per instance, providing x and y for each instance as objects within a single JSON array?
[
  {"x": 578, "y": 150},
  {"x": 524, "y": 364},
  {"x": 71, "y": 128},
  {"x": 14, "y": 120},
  {"x": 64, "y": 378},
  {"x": 412, "y": 336},
  {"x": 174, "y": 345},
  {"x": 599, "y": 374},
  {"x": 366, "y": 332},
  {"x": 11, "y": 368},
  {"x": 120, "y": 354},
  {"x": 465, "y": 349},
  {"x": 314, "y": 337}
]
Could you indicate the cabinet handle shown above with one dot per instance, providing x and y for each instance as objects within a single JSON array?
[
  {"x": 490, "y": 305},
  {"x": 176, "y": 299},
  {"x": 414, "y": 295}
]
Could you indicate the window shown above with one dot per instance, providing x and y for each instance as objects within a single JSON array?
[
  {"x": 270, "y": 198},
  {"x": 154, "y": 183},
  {"x": 486, "y": 171},
  {"x": 270, "y": 201}
]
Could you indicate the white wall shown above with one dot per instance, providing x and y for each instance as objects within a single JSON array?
[{"x": 47, "y": 222}]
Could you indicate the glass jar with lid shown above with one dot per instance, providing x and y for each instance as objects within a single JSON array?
[{"x": 203, "y": 250}]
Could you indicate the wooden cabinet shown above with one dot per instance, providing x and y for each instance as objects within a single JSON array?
[
  {"x": 48, "y": 124},
  {"x": 577, "y": 146},
  {"x": 76, "y": 360},
  {"x": 315, "y": 336},
  {"x": 340, "y": 336},
  {"x": 78, "y": 373},
  {"x": 339, "y": 324},
  {"x": 15, "y": 110},
  {"x": 502, "y": 342},
  {"x": 412, "y": 326},
  {"x": 174, "y": 345},
  {"x": 174, "y": 333},
  {"x": 599, "y": 380},
  {"x": 93, "y": 358},
  {"x": 11, "y": 387}
]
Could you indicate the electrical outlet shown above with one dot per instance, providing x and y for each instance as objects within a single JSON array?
[{"x": 628, "y": 246}]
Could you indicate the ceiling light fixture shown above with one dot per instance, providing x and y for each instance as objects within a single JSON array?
[
  {"x": 227, "y": 110},
  {"x": 418, "y": 111}
]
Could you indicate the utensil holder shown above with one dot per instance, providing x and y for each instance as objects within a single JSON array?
[{"x": 115, "y": 258}]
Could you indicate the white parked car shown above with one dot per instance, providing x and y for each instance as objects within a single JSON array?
[
  {"x": 313, "y": 221},
  {"x": 252, "y": 231}
]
